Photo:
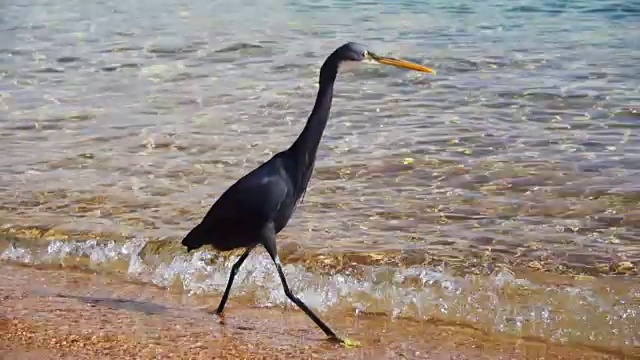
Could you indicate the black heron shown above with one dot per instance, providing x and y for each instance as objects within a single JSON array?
[{"x": 259, "y": 205}]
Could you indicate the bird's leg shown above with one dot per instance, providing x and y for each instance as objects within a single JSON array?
[
  {"x": 234, "y": 271},
  {"x": 270, "y": 245}
]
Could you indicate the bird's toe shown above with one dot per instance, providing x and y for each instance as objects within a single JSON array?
[
  {"x": 349, "y": 343},
  {"x": 220, "y": 316}
]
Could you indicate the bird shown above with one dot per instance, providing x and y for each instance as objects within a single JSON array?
[{"x": 259, "y": 205}]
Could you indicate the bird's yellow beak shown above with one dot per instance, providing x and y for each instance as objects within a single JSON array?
[{"x": 399, "y": 63}]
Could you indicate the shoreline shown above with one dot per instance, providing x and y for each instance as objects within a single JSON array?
[{"x": 65, "y": 314}]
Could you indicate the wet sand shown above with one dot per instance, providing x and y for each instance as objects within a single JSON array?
[{"x": 54, "y": 314}]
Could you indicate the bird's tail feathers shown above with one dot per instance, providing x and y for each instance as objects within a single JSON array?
[{"x": 194, "y": 239}]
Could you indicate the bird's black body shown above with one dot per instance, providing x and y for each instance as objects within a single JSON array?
[
  {"x": 265, "y": 196},
  {"x": 268, "y": 194},
  {"x": 259, "y": 205}
]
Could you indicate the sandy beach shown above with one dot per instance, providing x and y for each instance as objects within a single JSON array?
[{"x": 53, "y": 314}]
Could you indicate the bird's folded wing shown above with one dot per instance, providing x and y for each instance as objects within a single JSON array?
[{"x": 254, "y": 199}]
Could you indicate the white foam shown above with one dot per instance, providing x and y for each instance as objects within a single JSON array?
[{"x": 529, "y": 309}]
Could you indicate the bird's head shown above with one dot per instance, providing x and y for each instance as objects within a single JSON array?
[{"x": 355, "y": 52}]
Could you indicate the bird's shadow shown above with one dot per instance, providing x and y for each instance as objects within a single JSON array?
[
  {"x": 145, "y": 307},
  {"x": 149, "y": 308}
]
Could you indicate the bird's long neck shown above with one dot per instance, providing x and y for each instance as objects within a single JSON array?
[
  {"x": 305, "y": 147},
  {"x": 309, "y": 139}
]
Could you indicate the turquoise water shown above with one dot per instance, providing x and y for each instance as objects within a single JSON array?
[{"x": 522, "y": 152}]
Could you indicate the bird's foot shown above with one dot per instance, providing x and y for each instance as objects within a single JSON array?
[
  {"x": 220, "y": 316},
  {"x": 346, "y": 342}
]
